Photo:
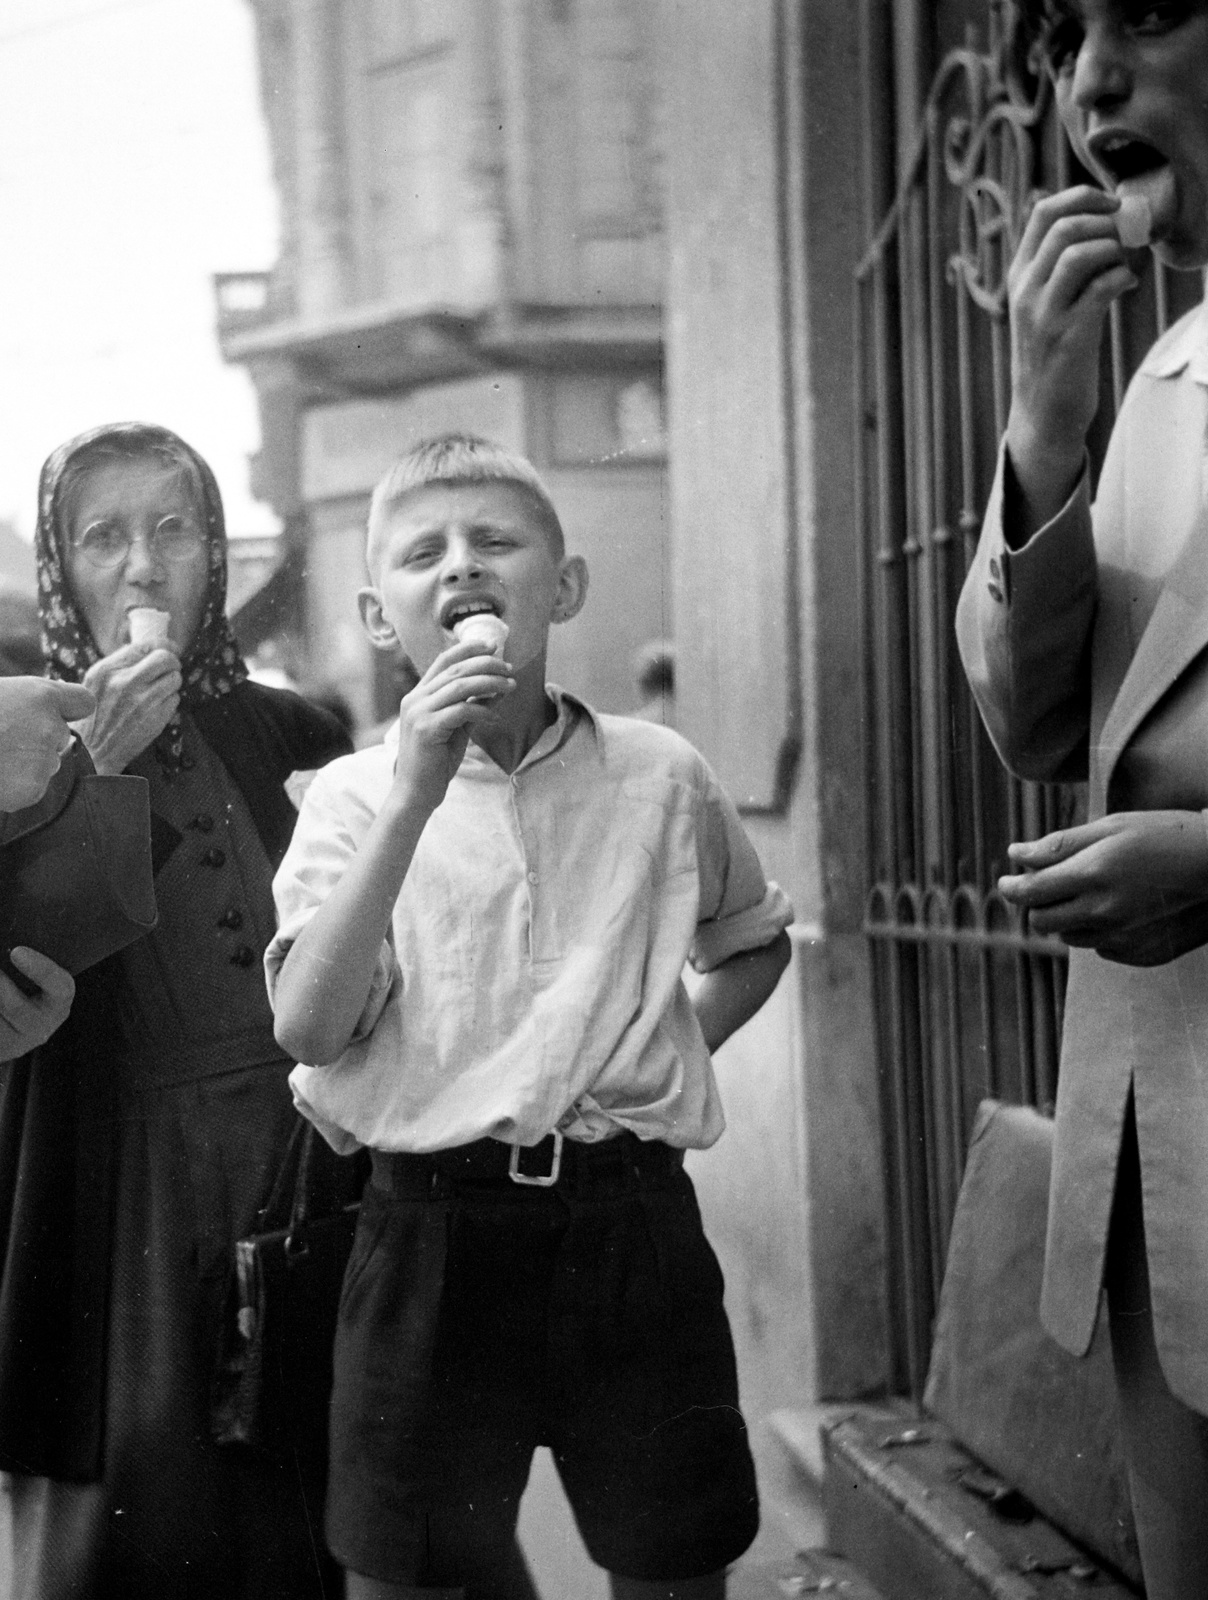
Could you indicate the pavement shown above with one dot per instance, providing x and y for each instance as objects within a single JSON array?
[{"x": 560, "y": 1565}]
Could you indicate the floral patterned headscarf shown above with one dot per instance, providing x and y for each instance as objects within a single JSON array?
[{"x": 212, "y": 665}]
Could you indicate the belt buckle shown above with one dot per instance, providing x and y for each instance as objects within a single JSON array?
[{"x": 533, "y": 1180}]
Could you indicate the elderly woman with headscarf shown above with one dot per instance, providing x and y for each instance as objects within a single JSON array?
[{"x": 141, "y": 1141}]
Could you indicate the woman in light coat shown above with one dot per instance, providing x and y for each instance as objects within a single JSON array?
[{"x": 1084, "y": 633}]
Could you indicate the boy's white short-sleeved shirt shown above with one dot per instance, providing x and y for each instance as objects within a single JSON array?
[{"x": 533, "y": 976}]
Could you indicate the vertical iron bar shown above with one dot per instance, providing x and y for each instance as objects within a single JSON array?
[
  {"x": 957, "y": 1087},
  {"x": 917, "y": 1276},
  {"x": 930, "y": 1127},
  {"x": 947, "y": 967},
  {"x": 941, "y": 530},
  {"x": 878, "y": 862},
  {"x": 898, "y": 1251},
  {"x": 1027, "y": 1043},
  {"x": 915, "y": 962},
  {"x": 898, "y": 738},
  {"x": 911, "y": 547},
  {"x": 989, "y": 1011}
]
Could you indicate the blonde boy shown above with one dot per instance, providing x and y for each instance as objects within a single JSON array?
[{"x": 483, "y": 928}]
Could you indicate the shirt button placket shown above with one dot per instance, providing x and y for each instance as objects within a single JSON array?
[{"x": 530, "y": 875}]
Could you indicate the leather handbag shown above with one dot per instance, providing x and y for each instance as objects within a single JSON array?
[
  {"x": 79, "y": 887},
  {"x": 275, "y": 1366}
]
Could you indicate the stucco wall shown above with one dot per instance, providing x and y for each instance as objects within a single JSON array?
[{"x": 762, "y": 243}]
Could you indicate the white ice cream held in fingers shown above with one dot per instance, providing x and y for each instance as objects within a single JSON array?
[
  {"x": 1134, "y": 221},
  {"x": 483, "y": 628},
  {"x": 147, "y": 625}
]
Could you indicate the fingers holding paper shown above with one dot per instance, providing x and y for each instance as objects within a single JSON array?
[
  {"x": 34, "y": 735},
  {"x": 27, "y": 1021},
  {"x": 1096, "y": 884}
]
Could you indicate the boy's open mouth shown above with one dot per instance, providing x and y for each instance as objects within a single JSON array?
[
  {"x": 1122, "y": 156},
  {"x": 458, "y": 610}
]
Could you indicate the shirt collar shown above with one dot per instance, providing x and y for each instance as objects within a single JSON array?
[
  {"x": 571, "y": 712},
  {"x": 1186, "y": 352}
]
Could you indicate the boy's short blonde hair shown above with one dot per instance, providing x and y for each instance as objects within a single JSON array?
[{"x": 457, "y": 458}]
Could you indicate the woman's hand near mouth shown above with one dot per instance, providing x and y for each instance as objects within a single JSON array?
[
  {"x": 1068, "y": 269},
  {"x": 137, "y": 691}
]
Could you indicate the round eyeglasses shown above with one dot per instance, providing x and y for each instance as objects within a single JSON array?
[{"x": 173, "y": 539}]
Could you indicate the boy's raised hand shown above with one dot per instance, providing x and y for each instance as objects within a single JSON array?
[{"x": 459, "y": 690}]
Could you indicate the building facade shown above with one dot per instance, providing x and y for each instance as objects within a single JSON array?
[{"x": 471, "y": 237}]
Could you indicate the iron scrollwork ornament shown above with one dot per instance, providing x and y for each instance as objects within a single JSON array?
[{"x": 991, "y": 148}]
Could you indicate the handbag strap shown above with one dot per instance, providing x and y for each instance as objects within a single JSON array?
[
  {"x": 304, "y": 1195},
  {"x": 278, "y": 1210},
  {"x": 312, "y": 1182}
]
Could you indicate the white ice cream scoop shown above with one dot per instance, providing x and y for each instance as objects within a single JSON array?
[
  {"x": 147, "y": 625},
  {"x": 1134, "y": 221},
  {"x": 483, "y": 628}
]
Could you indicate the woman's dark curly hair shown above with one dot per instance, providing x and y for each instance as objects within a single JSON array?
[
  {"x": 1046, "y": 34},
  {"x": 1036, "y": 17}
]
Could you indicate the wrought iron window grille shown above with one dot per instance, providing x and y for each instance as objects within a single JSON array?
[{"x": 968, "y": 1000}]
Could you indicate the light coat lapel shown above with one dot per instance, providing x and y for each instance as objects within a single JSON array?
[{"x": 1176, "y": 633}]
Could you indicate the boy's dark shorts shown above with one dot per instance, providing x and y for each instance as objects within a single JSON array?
[{"x": 480, "y": 1319}]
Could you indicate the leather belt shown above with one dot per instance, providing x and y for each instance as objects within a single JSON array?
[{"x": 556, "y": 1165}]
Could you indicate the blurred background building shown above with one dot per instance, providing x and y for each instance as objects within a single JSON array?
[{"x": 472, "y": 237}]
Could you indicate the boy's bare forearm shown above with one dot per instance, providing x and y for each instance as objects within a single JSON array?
[
  {"x": 324, "y": 981},
  {"x": 732, "y": 993}
]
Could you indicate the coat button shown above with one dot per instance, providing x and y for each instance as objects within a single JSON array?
[
  {"x": 995, "y": 592},
  {"x": 214, "y": 858},
  {"x": 187, "y": 763},
  {"x": 245, "y": 956},
  {"x": 232, "y": 919},
  {"x": 203, "y": 822}
]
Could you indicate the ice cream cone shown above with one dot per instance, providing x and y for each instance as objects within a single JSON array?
[
  {"x": 483, "y": 628},
  {"x": 147, "y": 625}
]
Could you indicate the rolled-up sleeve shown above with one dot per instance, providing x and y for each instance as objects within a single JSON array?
[
  {"x": 325, "y": 839},
  {"x": 739, "y": 908}
]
